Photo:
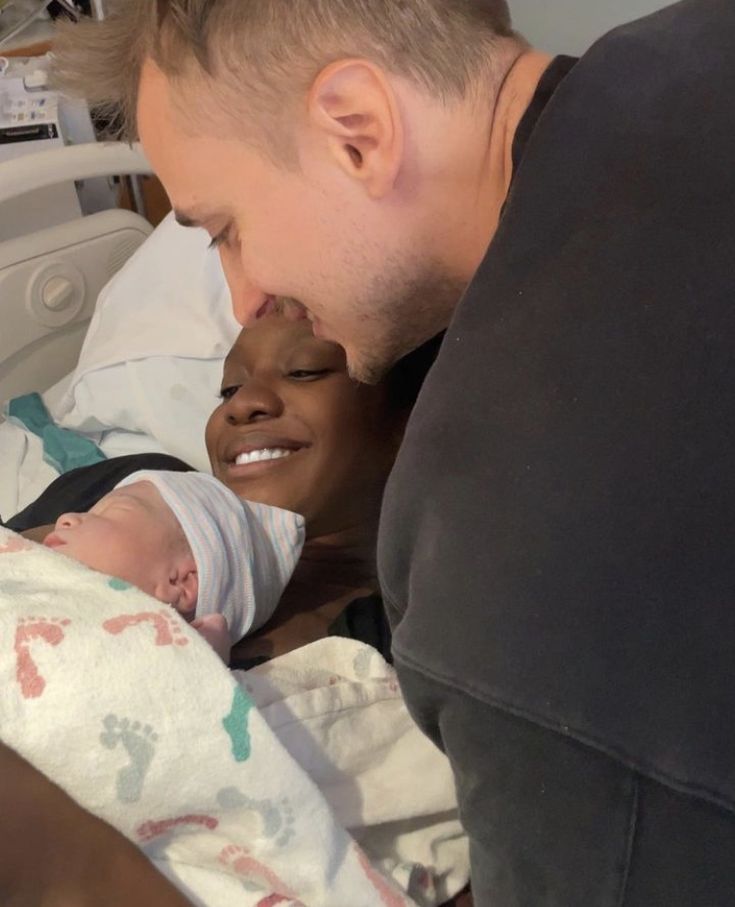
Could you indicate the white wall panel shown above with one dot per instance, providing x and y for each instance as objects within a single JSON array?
[{"x": 570, "y": 26}]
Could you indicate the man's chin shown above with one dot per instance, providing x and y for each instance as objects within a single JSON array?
[
  {"x": 372, "y": 366},
  {"x": 365, "y": 370}
]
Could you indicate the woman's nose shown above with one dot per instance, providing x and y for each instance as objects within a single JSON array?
[
  {"x": 253, "y": 402},
  {"x": 69, "y": 520},
  {"x": 247, "y": 298}
]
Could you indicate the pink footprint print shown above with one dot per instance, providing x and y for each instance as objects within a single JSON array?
[
  {"x": 155, "y": 828},
  {"x": 240, "y": 860},
  {"x": 163, "y": 622},
  {"x": 30, "y": 630},
  {"x": 15, "y": 544},
  {"x": 273, "y": 899}
]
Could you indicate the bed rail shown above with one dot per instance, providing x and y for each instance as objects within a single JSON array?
[{"x": 75, "y": 162}]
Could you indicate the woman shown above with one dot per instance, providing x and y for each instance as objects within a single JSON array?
[{"x": 294, "y": 430}]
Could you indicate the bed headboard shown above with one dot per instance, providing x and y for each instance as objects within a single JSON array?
[{"x": 49, "y": 283}]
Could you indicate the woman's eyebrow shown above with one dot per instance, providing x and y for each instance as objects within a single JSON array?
[
  {"x": 314, "y": 344},
  {"x": 235, "y": 359}
]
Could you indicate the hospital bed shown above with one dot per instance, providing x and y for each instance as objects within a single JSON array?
[{"x": 122, "y": 329}]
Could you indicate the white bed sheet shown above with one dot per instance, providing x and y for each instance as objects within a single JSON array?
[
  {"x": 24, "y": 474},
  {"x": 149, "y": 372},
  {"x": 163, "y": 417}
]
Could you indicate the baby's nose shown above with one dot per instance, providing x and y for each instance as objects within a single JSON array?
[{"x": 69, "y": 520}]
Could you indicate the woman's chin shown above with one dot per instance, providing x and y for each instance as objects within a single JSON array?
[{"x": 255, "y": 486}]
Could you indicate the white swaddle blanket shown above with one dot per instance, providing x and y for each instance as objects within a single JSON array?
[{"x": 116, "y": 699}]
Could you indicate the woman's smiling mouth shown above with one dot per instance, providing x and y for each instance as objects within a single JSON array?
[
  {"x": 251, "y": 463},
  {"x": 259, "y": 452},
  {"x": 261, "y": 456}
]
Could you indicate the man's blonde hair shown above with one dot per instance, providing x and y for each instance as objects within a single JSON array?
[{"x": 259, "y": 52}]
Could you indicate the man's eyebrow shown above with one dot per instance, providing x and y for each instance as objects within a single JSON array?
[{"x": 185, "y": 220}]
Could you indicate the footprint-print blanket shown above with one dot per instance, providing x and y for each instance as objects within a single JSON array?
[{"x": 115, "y": 698}]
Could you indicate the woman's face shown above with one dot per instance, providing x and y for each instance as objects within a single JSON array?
[{"x": 293, "y": 430}]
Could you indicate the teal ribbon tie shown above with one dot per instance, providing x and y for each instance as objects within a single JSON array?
[{"x": 63, "y": 449}]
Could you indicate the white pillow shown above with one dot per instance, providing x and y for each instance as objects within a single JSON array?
[
  {"x": 152, "y": 358},
  {"x": 166, "y": 399},
  {"x": 170, "y": 299}
]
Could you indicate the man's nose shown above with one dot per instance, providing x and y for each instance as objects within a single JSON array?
[
  {"x": 69, "y": 520},
  {"x": 253, "y": 402},
  {"x": 247, "y": 298}
]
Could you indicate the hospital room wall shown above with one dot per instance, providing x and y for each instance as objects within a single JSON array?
[{"x": 570, "y": 26}]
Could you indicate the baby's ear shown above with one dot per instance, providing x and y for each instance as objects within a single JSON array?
[
  {"x": 188, "y": 587},
  {"x": 183, "y": 587}
]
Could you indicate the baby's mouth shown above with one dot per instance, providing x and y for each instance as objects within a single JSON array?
[{"x": 52, "y": 540}]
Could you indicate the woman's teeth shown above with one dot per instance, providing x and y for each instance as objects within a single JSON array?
[{"x": 258, "y": 456}]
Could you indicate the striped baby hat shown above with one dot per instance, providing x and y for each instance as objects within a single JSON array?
[{"x": 245, "y": 553}]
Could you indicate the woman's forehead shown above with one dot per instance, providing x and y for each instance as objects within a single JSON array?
[{"x": 274, "y": 333}]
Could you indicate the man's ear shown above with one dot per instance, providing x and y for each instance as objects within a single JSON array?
[
  {"x": 182, "y": 587},
  {"x": 354, "y": 106}
]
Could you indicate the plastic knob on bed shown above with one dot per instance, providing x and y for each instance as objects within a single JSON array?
[{"x": 57, "y": 293}]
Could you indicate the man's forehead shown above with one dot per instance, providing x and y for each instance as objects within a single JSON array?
[
  {"x": 166, "y": 132},
  {"x": 194, "y": 162},
  {"x": 183, "y": 108},
  {"x": 154, "y": 92}
]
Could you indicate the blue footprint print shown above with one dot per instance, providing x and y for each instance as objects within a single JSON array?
[
  {"x": 277, "y": 819},
  {"x": 139, "y": 742}
]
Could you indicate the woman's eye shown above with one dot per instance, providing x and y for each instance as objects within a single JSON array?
[
  {"x": 305, "y": 374},
  {"x": 227, "y": 392}
]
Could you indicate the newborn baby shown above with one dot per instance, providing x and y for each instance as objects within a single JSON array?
[{"x": 187, "y": 540}]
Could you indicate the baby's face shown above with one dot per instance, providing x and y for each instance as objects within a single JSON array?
[{"x": 129, "y": 534}]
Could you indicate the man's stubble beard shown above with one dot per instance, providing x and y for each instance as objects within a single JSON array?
[{"x": 398, "y": 313}]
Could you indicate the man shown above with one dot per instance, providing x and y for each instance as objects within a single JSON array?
[{"x": 556, "y": 542}]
